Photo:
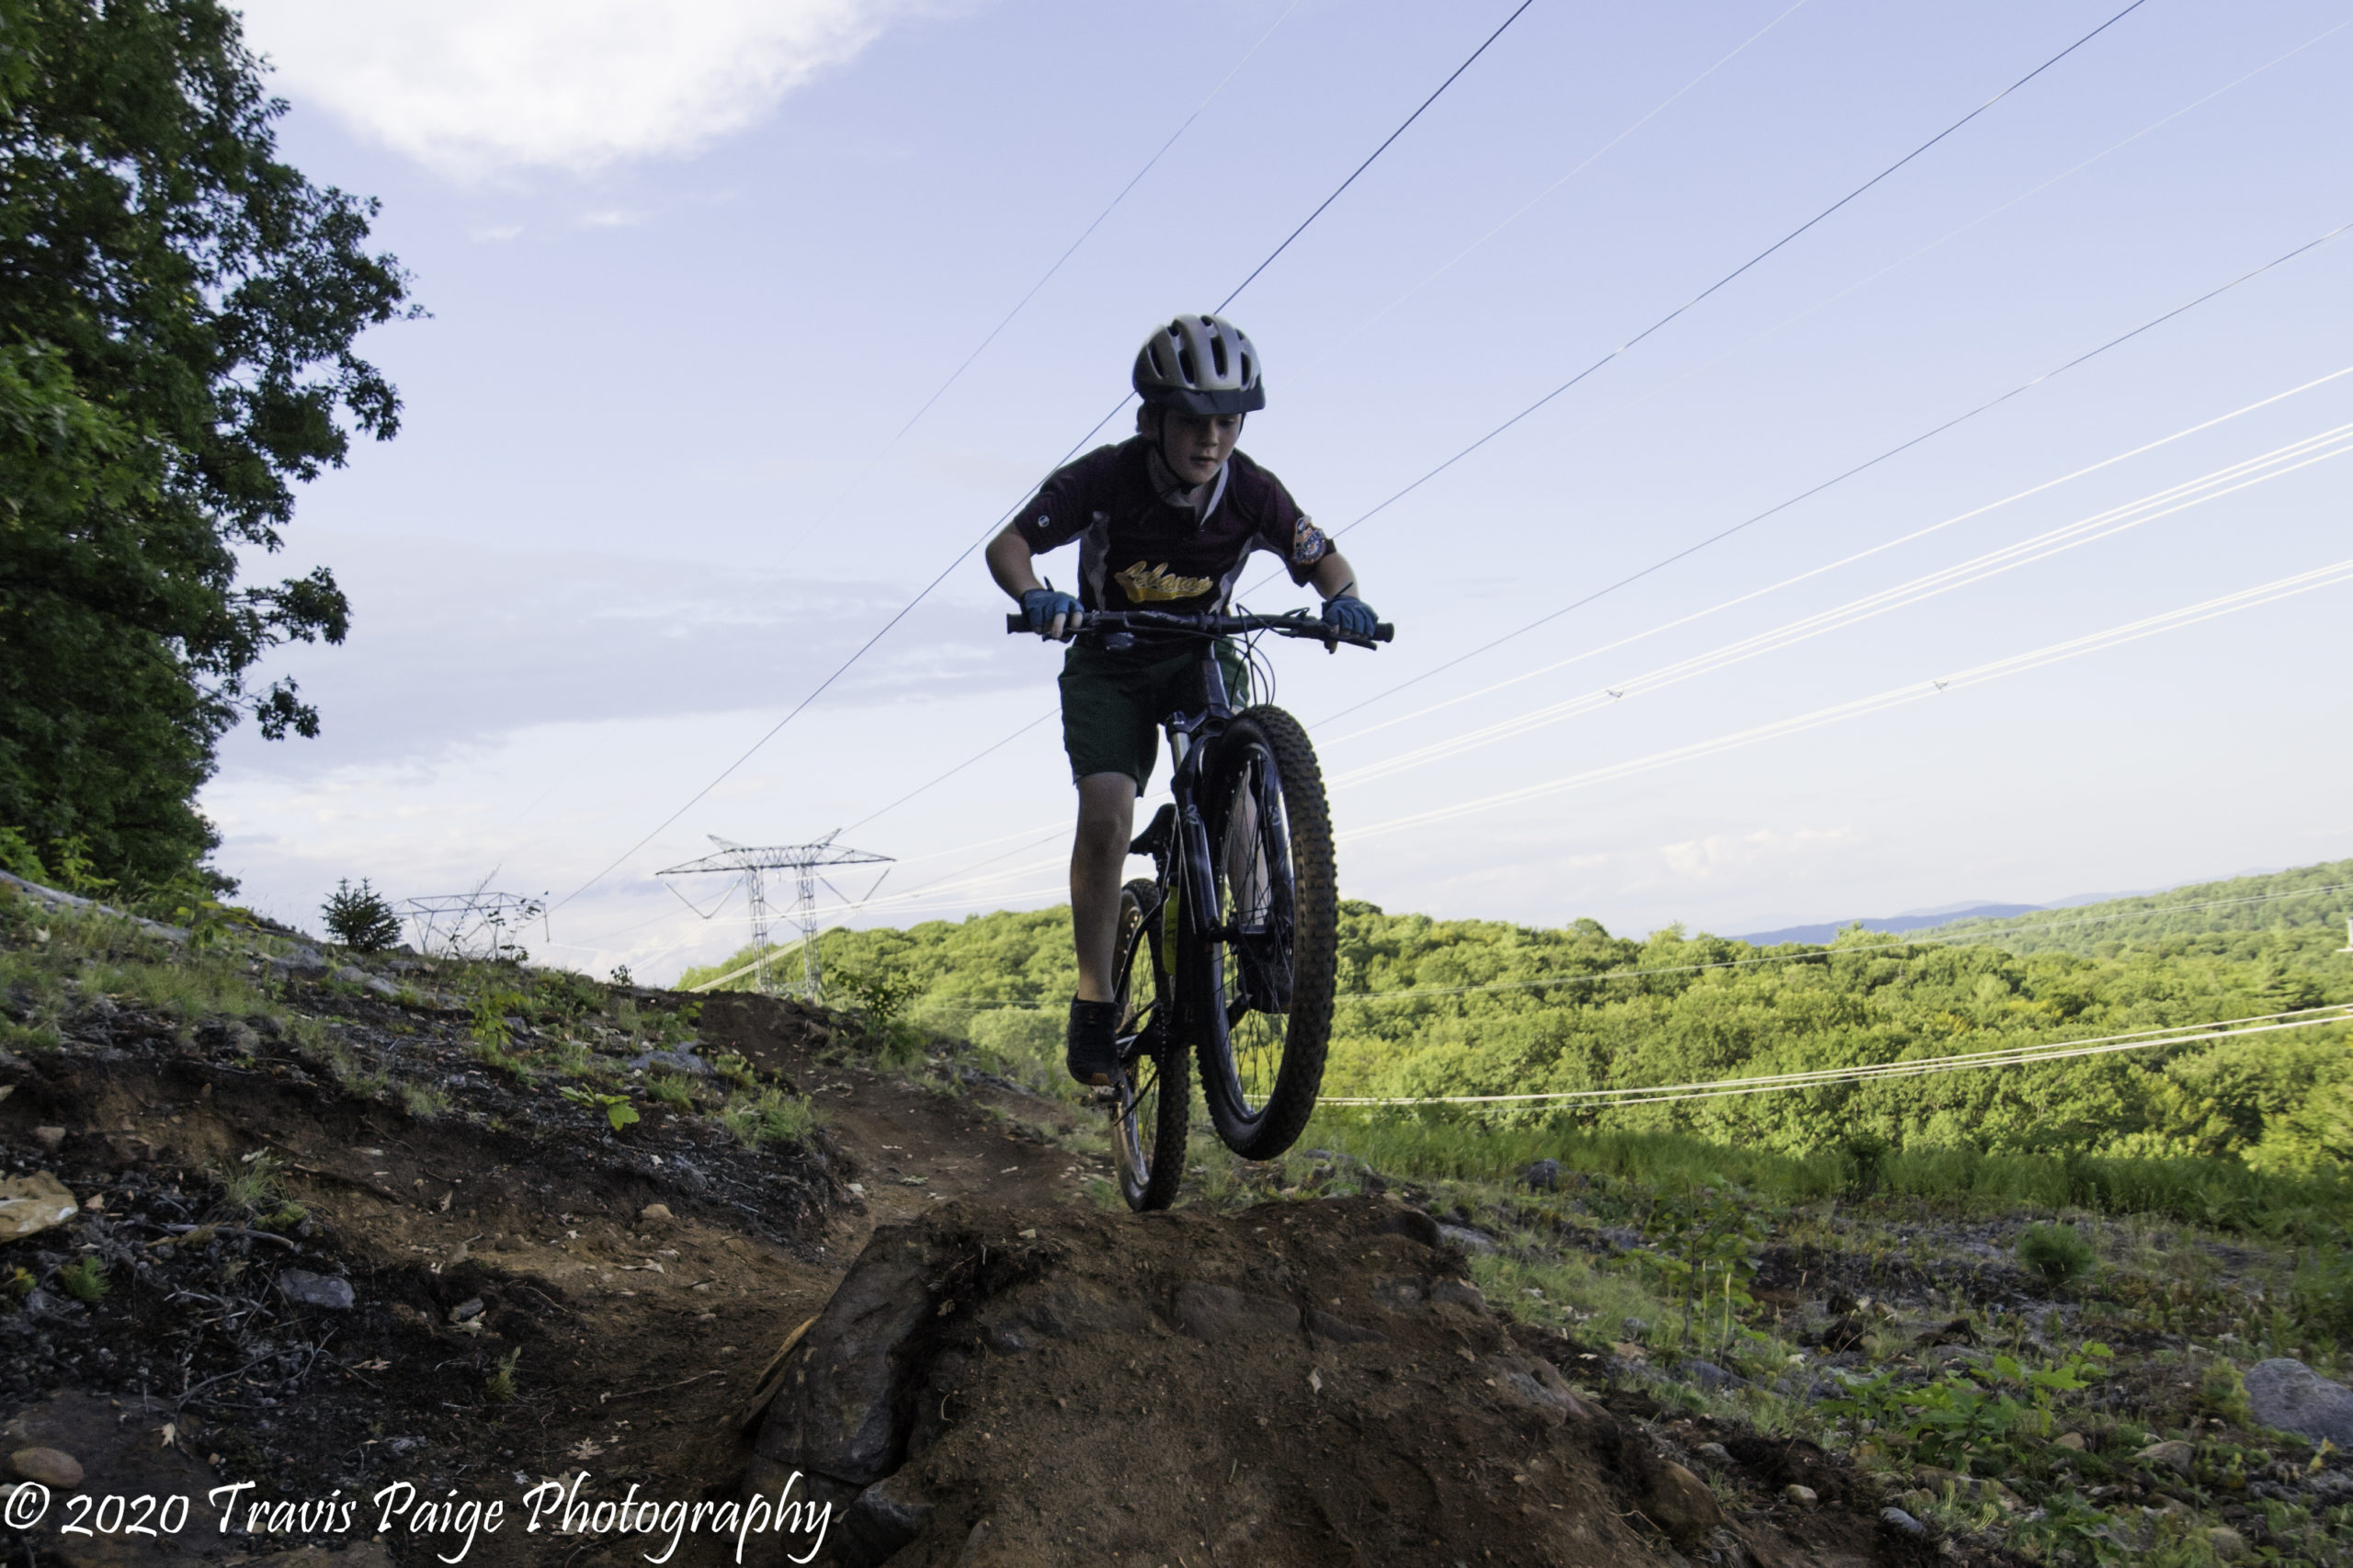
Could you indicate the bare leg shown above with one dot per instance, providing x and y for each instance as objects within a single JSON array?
[{"x": 1107, "y": 822}]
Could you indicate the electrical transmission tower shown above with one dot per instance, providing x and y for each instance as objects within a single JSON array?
[
  {"x": 473, "y": 925},
  {"x": 806, "y": 862}
]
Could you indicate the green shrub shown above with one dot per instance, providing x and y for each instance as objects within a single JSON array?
[
  {"x": 360, "y": 918},
  {"x": 2056, "y": 1253},
  {"x": 771, "y": 1116}
]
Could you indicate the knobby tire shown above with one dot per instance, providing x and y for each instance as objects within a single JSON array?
[
  {"x": 1263, "y": 1002},
  {"x": 1152, "y": 1109}
]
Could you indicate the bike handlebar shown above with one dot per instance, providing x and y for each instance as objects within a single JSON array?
[{"x": 1292, "y": 623}]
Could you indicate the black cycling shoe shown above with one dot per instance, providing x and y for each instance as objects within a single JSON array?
[{"x": 1093, "y": 1051}]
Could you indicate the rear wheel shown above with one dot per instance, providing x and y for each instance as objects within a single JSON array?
[
  {"x": 1269, "y": 973},
  {"x": 1152, "y": 1107}
]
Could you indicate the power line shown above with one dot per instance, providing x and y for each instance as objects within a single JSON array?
[
  {"x": 2017, "y": 664},
  {"x": 961, "y": 555},
  {"x": 1793, "y": 501},
  {"x": 2013, "y": 1056},
  {"x": 1869, "y": 463},
  {"x": 957, "y": 877},
  {"x": 1045, "y": 278},
  {"x": 1745, "y": 266},
  {"x": 2229, "y": 481},
  {"x": 1376, "y": 153}
]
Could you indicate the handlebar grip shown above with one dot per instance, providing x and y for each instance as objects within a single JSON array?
[
  {"x": 1385, "y": 633},
  {"x": 1016, "y": 622}
]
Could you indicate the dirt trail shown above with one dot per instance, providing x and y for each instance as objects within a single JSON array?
[{"x": 1000, "y": 1373}]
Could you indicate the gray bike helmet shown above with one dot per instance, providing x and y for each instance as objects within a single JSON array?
[{"x": 1199, "y": 365}]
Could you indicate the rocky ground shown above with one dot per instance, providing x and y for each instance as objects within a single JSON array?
[{"x": 321, "y": 1236}]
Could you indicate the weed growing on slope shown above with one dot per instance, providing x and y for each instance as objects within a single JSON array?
[{"x": 770, "y": 1116}]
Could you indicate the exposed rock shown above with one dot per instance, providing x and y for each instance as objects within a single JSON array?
[
  {"x": 1410, "y": 1222},
  {"x": 1804, "y": 1496},
  {"x": 1621, "y": 1237},
  {"x": 886, "y": 1516},
  {"x": 1212, "y": 1313},
  {"x": 2288, "y": 1395},
  {"x": 1715, "y": 1451},
  {"x": 2072, "y": 1441},
  {"x": 1466, "y": 1238},
  {"x": 1537, "y": 1385},
  {"x": 1711, "y": 1377},
  {"x": 838, "y": 1414},
  {"x": 1457, "y": 1293},
  {"x": 654, "y": 1214},
  {"x": 467, "y": 1310},
  {"x": 1680, "y": 1504},
  {"x": 54, "y": 1468},
  {"x": 678, "y": 1061},
  {"x": 48, "y": 1138},
  {"x": 319, "y": 1290},
  {"x": 32, "y": 1204},
  {"x": 1544, "y": 1175},
  {"x": 2228, "y": 1544},
  {"x": 1902, "y": 1521},
  {"x": 2175, "y": 1455}
]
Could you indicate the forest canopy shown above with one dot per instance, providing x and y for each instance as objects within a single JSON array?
[
  {"x": 1469, "y": 1007},
  {"x": 178, "y": 315}
]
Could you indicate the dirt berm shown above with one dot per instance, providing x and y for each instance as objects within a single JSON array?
[{"x": 1293, "y": 1384}]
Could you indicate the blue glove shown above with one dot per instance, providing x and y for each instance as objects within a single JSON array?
[
  {"x": 1350, "y": 614},
  {"x": 1045, "y": 606}
]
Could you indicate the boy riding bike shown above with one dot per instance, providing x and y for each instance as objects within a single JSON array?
[{"x": 1165, "y": 521}]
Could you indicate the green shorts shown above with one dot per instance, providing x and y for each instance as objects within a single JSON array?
[{"x": 1113, "y": 703}]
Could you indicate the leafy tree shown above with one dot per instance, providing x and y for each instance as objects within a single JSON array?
[{"x": 177, "y": 311}]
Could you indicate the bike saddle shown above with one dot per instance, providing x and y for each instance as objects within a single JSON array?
[{"x": 1157, "y": 839}]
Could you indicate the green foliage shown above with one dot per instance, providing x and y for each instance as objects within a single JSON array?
[
  {"x": 176, "y": 353},
  {"x": 500, "y": 1386},
  {"x": 422, "y": 1100},
  {"x": 2057, "y": 1252},
  {"x": 2322, "y": 1291},
  {"x": 18, "y": 856},
  {"x": 2214, "y": 1132},
  {"x": 19, "y": 1283},
  {"x": 771, "y": 1116},
  {"x": 671, "y": 1089},
  {"x": 618, "y": 1111},
  {"x": 1867, "y": 1154},
  {"x": 881, "y": 995},
  {"x": 490, "y": 1007},
  {"x": 85, "y": 1281},
  {"x": 1966, "y": 1419},
  {"x": 251, "y": 1183},
  {"x": 361, "y": 918}
]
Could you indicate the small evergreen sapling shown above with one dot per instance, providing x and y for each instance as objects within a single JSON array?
[{"x": 361, "y": 918}]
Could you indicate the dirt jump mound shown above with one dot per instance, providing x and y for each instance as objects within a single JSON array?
[{"x": 1297, "y": 1383}]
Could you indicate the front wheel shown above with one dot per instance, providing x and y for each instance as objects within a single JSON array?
[
  {"x": 1153, "y": 1104},
  {"x": 1266, "y": 975}
]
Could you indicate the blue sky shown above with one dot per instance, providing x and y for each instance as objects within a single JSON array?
[{"x": 687, "y": 281}]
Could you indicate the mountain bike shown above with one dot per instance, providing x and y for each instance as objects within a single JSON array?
[{"x": 1228, "y": 950}]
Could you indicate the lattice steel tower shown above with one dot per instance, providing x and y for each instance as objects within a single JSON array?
[{"x": 806, "y": 862}]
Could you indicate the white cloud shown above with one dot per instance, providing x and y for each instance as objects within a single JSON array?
[{"x": 471, "y": 88}]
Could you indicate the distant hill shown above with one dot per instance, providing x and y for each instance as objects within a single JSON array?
[
  {"x": 2307, "y": 898},
  {"x": 1917, "y": 920}
]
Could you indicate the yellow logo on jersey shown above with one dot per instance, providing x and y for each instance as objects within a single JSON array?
[{"x": 1148, "y": 585}]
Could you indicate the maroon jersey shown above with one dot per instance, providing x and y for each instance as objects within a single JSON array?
[{"x": 1144, "y": 546}]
